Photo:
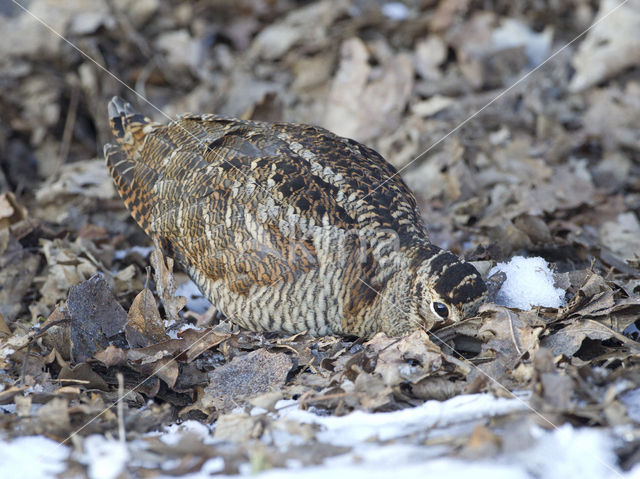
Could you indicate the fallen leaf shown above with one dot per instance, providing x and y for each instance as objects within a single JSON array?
[
  {"x": 569, "y": 339},
  {"x": 201, "y": 341},
  {"x": 409, "y": 358},
  {"x": 96, "y": 317},
  {"x": 86, "y": 178},
  {"x": 18, "y": 268},
  {"x": 245, "y": 377},
  {"x": 610, "y": 46},
  {"x": 11, "y": 212},
  {"x": 509, "y": 335},
  {"x": 67, "y": 267},
  {"x": 362, "y": 105},
  {"x": 112, "y": 356},
  {"x": 53, "y": 418},
  {"x": 612, "y": 115},
  {"x": 238, "y": 428},
  {"x": 83, "y": 375},
  {"x": 144, "y": 325},
  {"x": 622, "y": 236}
]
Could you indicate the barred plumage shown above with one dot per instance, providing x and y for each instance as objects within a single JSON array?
[{"x": 285, "y": 227}]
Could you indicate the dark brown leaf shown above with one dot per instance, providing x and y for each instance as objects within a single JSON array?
[
  {"x": 96, "y": 317},
  {"x": 245, "y": 377}
]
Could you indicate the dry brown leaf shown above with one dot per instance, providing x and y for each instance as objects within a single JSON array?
[
  {"x": 610, "y": 46},
  {"x": 144, "y": 325},
  {"x": 96, "y": 317},
  {"x": 83, "y": 375},
  {"x": 238, "y": 428},
  {"x": 11, "y": 211},
  {"x": 362, "y": 105},
  {"x": 112, "y": 356},
  {"x": 246, "y": 376},
  {"x": 429, "y": 54},
  {"x": 509, "y": 334},
  {"x": 86, "y": 178},
  {"x": 18, "y": 268},
  {"x": 622, "y": 236},
  {"x": 201, "y": 341},
  {"x": 53, "y": 418},
  {"x": 569, "y": 339},
  {"x": 4, "y": 328},
  {"x": 7, "y": 395},
  {"x": 409, "y": 358},
  {"x": 373, "y": 392},
  {"x": 613, "y": 115},
  {"x": 67, "y": 267},
  {"x": 166, "y": 369},
  {"x": 482, "y": 443},
  {"x": 437, "y": 388},
  {"x": 308, "y": 24}
]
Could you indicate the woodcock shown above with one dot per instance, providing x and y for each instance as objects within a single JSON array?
[{"x": 287, "y": 227}]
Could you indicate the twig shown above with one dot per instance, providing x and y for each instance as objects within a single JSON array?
[
  {"x": 513, "y": 333},
  {"x": 121, "y": 432},
  {"x": 69, "y": 124}
]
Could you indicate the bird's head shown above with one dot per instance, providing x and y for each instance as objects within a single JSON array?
[{"x": 446, "y": 290}]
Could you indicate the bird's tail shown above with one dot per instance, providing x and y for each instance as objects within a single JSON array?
[{"x": 128, "y": 126}]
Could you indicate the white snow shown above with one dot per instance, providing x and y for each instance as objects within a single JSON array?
[
  {"x": 433, "y": 469},
  {"x": 105, "y": 458},
  {"x": 143, "y": 251},
  {"x": 631, "y": 400},
  {"x": 585, "y": 453},
  {"x": 176, "y": 432},
  {"x": 529, "y": 283},
  {"x": 399, "y": 443},
  {"x": 513, "y": 33},
  {"x": 196, "y": 302},
  {"x": 360, "y": 426},
  {"x": 31, "y": 456},
  {"x": 395, "y": 10},
  {"x": 565, "y": 453}
]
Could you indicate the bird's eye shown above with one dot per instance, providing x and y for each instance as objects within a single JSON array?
[{"x": 440, "y": 309}]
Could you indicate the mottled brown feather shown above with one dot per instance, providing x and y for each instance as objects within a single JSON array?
[{"x": 287, "y": 227}]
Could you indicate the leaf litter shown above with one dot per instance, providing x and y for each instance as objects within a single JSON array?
[{"x": 549, "y": 171}]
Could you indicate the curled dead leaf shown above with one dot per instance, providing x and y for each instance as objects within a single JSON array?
[{"x": 144, "y": 325}]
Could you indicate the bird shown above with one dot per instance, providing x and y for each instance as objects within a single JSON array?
[{"x": 288, "y": 227}]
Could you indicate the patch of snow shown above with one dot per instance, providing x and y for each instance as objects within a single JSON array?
[
  {"x": 438, "y": 469},
  {"x": 584, "y": 453},
  {"x": 33, "y": 457},
  {"x": 105, "y": 458},
  {"x": 631, "y": 400},
  {"x": 174, "y": 433},
  {"x": 361, "y": 426},
  {"x": 513, "y": 33},
  {"x": 196, "y": 302},
  {"x": 563, "y": 453},
  {"x": 143, "y": 251},
  {"x": 529, "y": 283},
  {"x": 6, "y": 352},
  {"x": 395, "y": 10},
  {"x": 212, "y": 466}
]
